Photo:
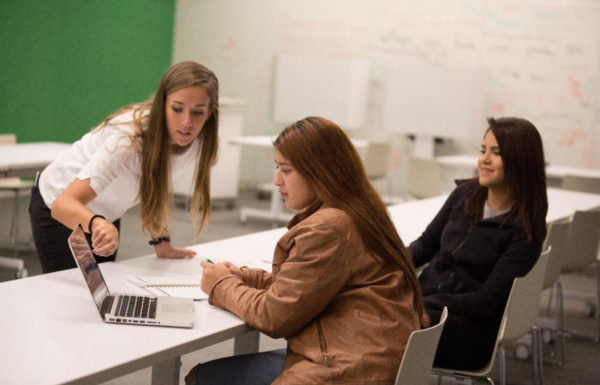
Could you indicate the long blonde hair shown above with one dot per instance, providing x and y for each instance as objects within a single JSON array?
[
  {"x": 323, "y": 154},
  {"x": 155, "y": 190}
]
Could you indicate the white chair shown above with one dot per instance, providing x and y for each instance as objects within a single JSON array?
[
  {"x": 518, "y": 320},
  {"x": 581, "y": 250},
  {"x": 415, "y": 367},
  {"x": 555, "y": 242},
  {"x": 424, "y": 178},
  {"x": 377, "y": 161},
  {"x": 581, "y": 183},
  {"x": 14, "y": 185}
]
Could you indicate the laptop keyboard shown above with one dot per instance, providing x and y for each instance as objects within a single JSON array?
[{"x": 136, "y": 306}]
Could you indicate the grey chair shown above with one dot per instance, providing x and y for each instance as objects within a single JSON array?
[
  {"x": 581, "y": 183},
  {"x": 519, "y": 319},
  {"x": 415, "y": 367},
  {"x": 15, "y": 186},
  {"x": 377, "y": 164},
  {"x": 424, "y": 178},
  {"x": 581, "y": 250},
  {"x": 555, "y": 241}
]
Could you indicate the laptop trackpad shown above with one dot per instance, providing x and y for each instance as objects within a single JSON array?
[{"x": 175, "y": 307}]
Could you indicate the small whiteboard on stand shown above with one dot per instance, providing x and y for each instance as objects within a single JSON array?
[
  {"x": 430, "y": 102},
  {"x": 335, "y": 88}
]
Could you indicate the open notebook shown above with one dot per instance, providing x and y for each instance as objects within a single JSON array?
[{"x": 171, "y": 286}]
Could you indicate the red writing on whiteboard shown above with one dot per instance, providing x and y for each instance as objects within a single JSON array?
[
  {"x": 575, "y": 88},
  {"x": 570, "y": 138}
]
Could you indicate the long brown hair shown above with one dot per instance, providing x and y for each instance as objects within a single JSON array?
[
  {"x": 522, "y": 155},
  {"x": 153, "y": 144},
  {"x": 324, "y": 155}
]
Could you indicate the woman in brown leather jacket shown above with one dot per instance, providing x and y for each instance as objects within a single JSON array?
[{"x": 342, "y": 290}]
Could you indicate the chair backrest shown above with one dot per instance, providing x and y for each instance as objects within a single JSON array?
[
  {"x": 8, "y": 139},
  {"x": 581, "y": 183},
  {"x": 556, "y": 241},
  {"x": 520, "y": 314},
  {"x": 424, "y": 178},
  {"x": 415, "y": 367},
  {"x": 377, "y": 159},
  {"x": 582, "y": 240},
  {"x": 523, "y": 304}
]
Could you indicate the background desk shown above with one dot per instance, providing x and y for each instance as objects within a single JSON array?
[
  {"x": 25, "y": 159},
  {"x": 276, "y": 213},
  {"x": 552, "y": 170},
  {"x": 412, "y": 217}
]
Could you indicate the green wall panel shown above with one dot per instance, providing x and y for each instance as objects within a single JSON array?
[{"x": 67, "y": 64}]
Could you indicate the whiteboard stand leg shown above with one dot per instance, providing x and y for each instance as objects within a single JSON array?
[{"x": 424, "y": 146}]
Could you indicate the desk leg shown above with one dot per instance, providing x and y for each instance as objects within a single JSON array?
[
  {"x": 246, "y": 343},
  {"x": 166, "y": 372},
  {"x": 275, "y": 214}
]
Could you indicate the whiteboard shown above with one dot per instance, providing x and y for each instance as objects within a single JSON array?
[
  {"x": 433, "y": 101},
  {"x": 335, "y": 88},
  {"x": 541, "y": 61}
]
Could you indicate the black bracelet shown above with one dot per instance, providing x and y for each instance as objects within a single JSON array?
[
  {"x": 158, "y": 241},
  {"x": 92, "y": 220}
]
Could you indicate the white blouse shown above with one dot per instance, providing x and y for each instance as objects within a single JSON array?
[{"x": 107, "y": 157}]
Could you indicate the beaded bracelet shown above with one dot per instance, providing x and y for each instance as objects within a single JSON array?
[{"x": 158, "y": 241}]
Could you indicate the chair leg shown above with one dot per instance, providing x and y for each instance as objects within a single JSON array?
[
  {"x": 538, "y": 366},
  {"x": 560, "y": 324},
  {"x": 597, "y": 268},
  {"x": 502, "y": 364},
  {"x": 14, "y": 226},
  {"x": 550, "y": 299}
]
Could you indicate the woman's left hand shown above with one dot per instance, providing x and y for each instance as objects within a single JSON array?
[
  {"x": 211, "y": 274},
  {"x": 165, "y": 250}
]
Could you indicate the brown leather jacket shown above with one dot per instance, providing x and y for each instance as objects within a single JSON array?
[{"x": 345, "y": 313}]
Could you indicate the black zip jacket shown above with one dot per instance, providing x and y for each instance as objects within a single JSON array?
[{"x": 472, "y": 264}]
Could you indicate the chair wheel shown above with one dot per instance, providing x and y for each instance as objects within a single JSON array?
[
  {"x": 589, "y": 309},
  {"x": 548, "y": 336},
  {"x": 22, "y": 273},
  {"x": 522, "y": 352}
]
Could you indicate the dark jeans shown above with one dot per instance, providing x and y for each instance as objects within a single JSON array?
[
  {"x": 50, "y": 237},
  {"x": 248, "y": 369},
  {"x": 464, "y": 344}
]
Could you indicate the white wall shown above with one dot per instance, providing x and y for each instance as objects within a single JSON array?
[{"x": 542, "y": 61}]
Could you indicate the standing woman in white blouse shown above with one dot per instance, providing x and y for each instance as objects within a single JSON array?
[{"x": 131, "y": 158}]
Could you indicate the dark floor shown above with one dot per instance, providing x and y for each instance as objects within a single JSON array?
[{"x": 582, "y": 356}]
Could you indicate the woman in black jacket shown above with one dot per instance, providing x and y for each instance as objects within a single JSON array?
[{"x": 489, "y": 231}]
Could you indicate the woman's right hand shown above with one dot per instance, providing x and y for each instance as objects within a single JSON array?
[
  {"x": 105, "y": 237},
  {"x": 233, "y": 269}
]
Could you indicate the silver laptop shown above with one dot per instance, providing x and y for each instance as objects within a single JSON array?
[{"x": 127, "y": 308}]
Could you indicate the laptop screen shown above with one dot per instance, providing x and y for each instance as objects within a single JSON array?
[{"x": 89, "y": 267}]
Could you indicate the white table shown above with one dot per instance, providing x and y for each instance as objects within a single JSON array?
[
  {"x": 53, "y": 333},
  {"x": 552, "y": 170},
  {"x": 276, "y": 214},
  {"x": 25, "y": 159},
  {"x": 411, "y": 218}
]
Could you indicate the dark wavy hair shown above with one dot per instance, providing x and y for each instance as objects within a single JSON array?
[
  {"x": 324, "y": 155},
  {"x": 522, "y": 155}
]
